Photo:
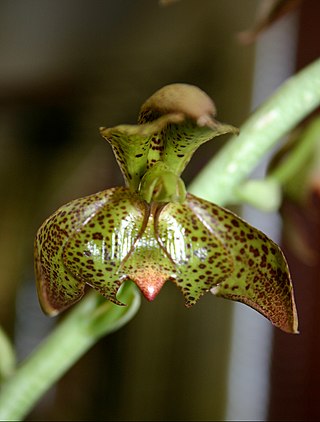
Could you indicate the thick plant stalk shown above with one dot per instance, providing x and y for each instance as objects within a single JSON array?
[
  {"x": 8, "y": 360},
  {"x": 293, "y": 101},
  {"x": 91, "y": 319},
  {"x": 93, "y": 316}
]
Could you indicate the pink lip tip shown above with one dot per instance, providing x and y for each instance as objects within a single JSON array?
[
  {"x": 150, "y": 283},
  {"x": 150, "y": 293}
]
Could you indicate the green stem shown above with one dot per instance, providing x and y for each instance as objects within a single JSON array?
[
  {"x": 294, "y": 100},
  {"x": 92, "y": 318},
  {"x": 299, "y": 156},
  {"x": 288, "y": 175},
  {"x": 7, "y": 361}
]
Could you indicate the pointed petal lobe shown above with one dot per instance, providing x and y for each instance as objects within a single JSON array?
[
  {"x": 57, "y": 287},
  {"x": 260, "y": 277}
]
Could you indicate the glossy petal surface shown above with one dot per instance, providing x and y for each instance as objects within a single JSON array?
[
  {"x": 202, "y": 259},
  {"x": 112, "y": 236},
  {"x": 131, "y": 146},
  {"x": 151, "y": 231},
  {"x": 101, "y": 241},
  {"x": 260, "y": 277},
  {"x": 57, "y": 288},
  {"x": 96, "y": 253},
  {"x": 173, "y": 123}
]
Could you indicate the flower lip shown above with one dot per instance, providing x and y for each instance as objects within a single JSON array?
[{"x": 150, "y": 281}]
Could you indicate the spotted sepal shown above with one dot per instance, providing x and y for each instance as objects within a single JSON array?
[
  {"x": 131, "y": 146},
  {"x": 96, "y": 254},
  {"x": 57, "y": 287},
  {"x": 74, "y": 238},
  {"x": 172, "y": 124},
  {"x": 201, "y": 257},
  {"x": 260, "y": 277},
  {"x": 178, "y": 141}
]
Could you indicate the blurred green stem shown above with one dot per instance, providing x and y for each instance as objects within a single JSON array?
[
  {"x": 7, "y": 361},
  {"x": 93, "y": 317},
  {"x": 293, "y": 101},
  {"x": 298, "y": 158}
]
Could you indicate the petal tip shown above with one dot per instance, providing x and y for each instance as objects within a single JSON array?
[
  {"x": 150, "y": 292},
  {"x": 149, "y": 282},
  {"x": 150, "y": 288}
]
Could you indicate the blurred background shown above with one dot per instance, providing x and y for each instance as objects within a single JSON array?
[{"x": 67, "y": 68}]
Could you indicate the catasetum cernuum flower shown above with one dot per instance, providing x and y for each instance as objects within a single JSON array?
[{"x": 152, "y": 230}]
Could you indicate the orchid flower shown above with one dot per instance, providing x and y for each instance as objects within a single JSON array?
[{"x": 151, "y": 230}]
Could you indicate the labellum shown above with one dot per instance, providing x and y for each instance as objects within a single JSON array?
[{"x": 151, "y": 230}]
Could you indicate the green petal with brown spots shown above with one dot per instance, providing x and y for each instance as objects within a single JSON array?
[
  {"x": 260, "y": 277},
  {"x": 173, "y": 123},
  {"x": 152, "y": 231},
  {"x": 100, "y": 240},
  {"x": 57, "y": 287},
  {"x": 201, "y": 258},
  {"x": 104, "y": 239},
  {"x": 96, "y": 253},
  {"x": 178, "y": 141},
  {"x": 131, "y": 146},
  {"x": 181, "y": 141}
]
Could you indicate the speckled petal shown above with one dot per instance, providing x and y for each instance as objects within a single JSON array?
[
  {"x": 131, "y": 145},
  {"x": 149, "y": 265},
  {"x": 96, "y": 253},
  {"x": 201, "y": 258},
  {"x": 172, "y": 124},
  {"x": 177, "y": 142},
  {"x": 181, "y": 141},
  {"x": 57, "y": 288},
  {"x": 260, "y": 277}
]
